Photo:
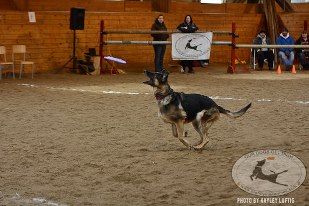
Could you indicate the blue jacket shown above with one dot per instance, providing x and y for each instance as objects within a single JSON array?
[{"x": 288, "y": 41}]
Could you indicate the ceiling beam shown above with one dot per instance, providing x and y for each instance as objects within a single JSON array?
[{"x": 285, "y": 5}]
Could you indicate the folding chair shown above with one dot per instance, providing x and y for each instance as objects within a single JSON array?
[
  {"x": 4, "y": 62},
  {"x": 21, "y": 49},
  {"x": 265, "y": 60}
]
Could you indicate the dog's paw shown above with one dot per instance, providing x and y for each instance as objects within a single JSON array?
[
  {"x": 199, "y": 147},
  {"x": 190, "y": 147}
]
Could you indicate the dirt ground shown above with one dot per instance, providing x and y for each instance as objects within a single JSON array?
[{"x": 68, "y": 139}]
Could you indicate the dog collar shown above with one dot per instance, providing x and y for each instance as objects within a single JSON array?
[{"x": 160, "y": 96}]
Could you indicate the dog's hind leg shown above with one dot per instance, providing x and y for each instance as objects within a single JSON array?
[
  {"x": 174, "y": 130},
  {"x": 207, "y": 120},
  {"x": 198, "y": 127},
  {"x": 180, "y": 131},
  {"x": 204, "y": 138}
]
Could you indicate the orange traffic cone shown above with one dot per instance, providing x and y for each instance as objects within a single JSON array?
[
  {"x": 279, "y": 69},
  {"x": 293, "y": 70}
]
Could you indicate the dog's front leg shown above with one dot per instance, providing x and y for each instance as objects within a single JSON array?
[{"x": 180, "y": 131}]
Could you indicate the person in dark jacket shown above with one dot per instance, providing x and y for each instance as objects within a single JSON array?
[
  {"x": 187, "y": 27},
  {"x": 159, "y": 49},
  {"x": 286, "y": 54},
  {"x": 263, "y": 53},
  {"x": 303, "y": 54}
]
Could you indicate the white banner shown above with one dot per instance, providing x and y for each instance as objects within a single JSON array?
[{"x": 191, "y": 46}]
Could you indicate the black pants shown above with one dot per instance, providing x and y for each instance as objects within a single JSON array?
[
  {"x": 304, "y": 59},
  {"x": 269, "y": 55},
  {"x": 187, "y": 63},
  {"x": 159, "y": 56}
]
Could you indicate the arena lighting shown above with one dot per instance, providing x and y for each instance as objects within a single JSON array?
[{"x": 212, "y": 1}]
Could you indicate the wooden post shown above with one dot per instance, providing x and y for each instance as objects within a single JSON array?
[
  {"x": 101, "y": 46},
  {"x": 271, "y": 18},
  {"x": 272, "y": 21}
]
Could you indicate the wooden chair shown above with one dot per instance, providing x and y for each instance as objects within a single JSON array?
[
  {"x": 21, "y": 49},
  {"x": 4, "y": 63}
]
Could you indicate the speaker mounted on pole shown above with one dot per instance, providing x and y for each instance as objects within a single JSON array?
[{"x": 77, "y": 18}]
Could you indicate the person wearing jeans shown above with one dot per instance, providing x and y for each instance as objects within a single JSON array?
[
  {"x": 159, "y": 49},
  {"x": 287, "y": 58},
  {"x": 286, "y": 54}
]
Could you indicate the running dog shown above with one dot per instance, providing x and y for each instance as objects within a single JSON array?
[
  {"x": 178, "y": 108},
  {"x": 258, "y": 173}
]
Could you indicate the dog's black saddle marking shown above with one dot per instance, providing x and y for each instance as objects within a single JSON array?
[{"x": 194, "y": 103}]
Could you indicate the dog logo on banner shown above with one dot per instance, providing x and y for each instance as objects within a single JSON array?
[{"x": 193, "y": 46}]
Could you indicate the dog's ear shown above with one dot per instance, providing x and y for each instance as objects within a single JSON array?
[{"x": 165, "y": 75}]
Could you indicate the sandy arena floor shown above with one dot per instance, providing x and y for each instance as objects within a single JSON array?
[{"x": 69, "y": 139}]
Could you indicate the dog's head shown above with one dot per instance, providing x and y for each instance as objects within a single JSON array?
[
  {"x": 157, "y": 79},
  {"x": 261, "y": 162}
]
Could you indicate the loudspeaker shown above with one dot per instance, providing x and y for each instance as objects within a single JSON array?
[{"x": 77, "y": 17}]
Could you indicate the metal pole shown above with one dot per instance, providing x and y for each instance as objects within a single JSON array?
[
  {"x": 138, "y": 42},
  {"x": 227, "y": 43},
  {"x": 219, "y": 43},
  {"x": 271, "y": 46},
  {"x": 158, "y": 32},
  {"x": 101, "y": 46},
  {"x": 74, "y": 51}
]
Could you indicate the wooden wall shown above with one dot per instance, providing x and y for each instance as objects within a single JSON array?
[{"x": 49, "y": 40}]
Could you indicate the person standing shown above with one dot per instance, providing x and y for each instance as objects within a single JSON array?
[
  {"x": 187, "y": 27},
  {"x": 159, "y": 49}
]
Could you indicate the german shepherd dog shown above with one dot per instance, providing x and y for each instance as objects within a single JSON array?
[
  {"x": 258, "y": 173},
  {"x": 179, "y": 108}
]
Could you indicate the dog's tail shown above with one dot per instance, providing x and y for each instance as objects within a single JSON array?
[{"x": 234, "y": 114}]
